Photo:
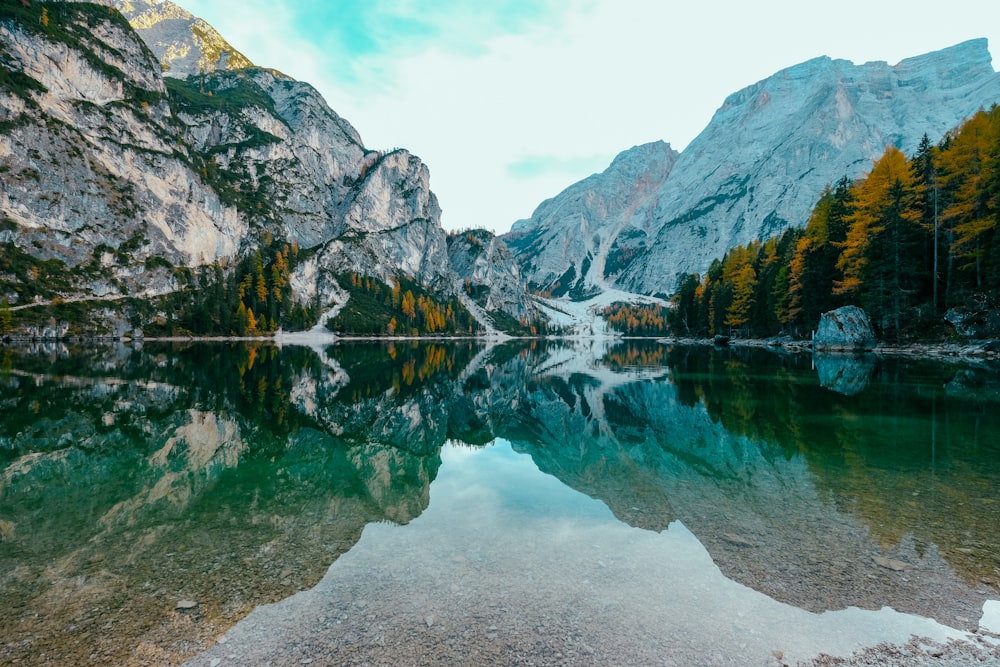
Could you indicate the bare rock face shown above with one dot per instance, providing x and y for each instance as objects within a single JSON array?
[
  {"x": 489, "y": 273},
  {"x": 581, "y": 237},
  {"x": 94, "y": 160},
  {"x": 846, "y": 328},
  {"x": 757, "y": 169},
  {"x": 126, "y": 177},
  {"x": 392, "y": 225}
]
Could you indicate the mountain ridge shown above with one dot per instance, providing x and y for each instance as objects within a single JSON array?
[{"x": 797, "y": 131}]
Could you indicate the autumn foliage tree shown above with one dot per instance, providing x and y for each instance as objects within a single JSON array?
[{"x": 887, "y": 242}]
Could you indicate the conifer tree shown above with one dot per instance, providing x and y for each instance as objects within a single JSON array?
[{"x": 870, "y": 197}]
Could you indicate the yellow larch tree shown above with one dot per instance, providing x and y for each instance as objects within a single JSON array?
[{"x": 869, "y": 198}]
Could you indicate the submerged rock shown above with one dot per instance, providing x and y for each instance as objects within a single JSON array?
[{"x": 846, "y": 328}]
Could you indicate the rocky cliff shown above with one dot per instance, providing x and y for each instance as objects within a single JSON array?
[
  {"x": 490, "y": 274},
  {"x": 576, "y": 239},
  {"x": 758, "y": 167},
  {"x": 119, "y": 181}
]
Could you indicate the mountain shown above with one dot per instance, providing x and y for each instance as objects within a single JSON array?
[
  {"x": 489, "y": 273},
  {"x": 184, "y": 44},
  {"x": 565, "y": 244},
  {"x": 122, "y": 182},
  {"x": 755, "y": 170}
]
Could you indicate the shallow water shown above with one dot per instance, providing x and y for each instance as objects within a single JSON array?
[{"x": 447, "y": 503}]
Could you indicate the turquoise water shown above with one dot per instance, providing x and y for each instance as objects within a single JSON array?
[{"x": 523, "y": 503}]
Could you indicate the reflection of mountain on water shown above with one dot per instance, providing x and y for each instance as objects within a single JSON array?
[
  {"x": 785, "y": 486},
  {"x": 235, "y": 475},
  {"x": 177, "y": 474}
]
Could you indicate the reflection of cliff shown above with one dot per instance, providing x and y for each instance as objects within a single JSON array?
[
  {"x": 234, "y": 475},
  {"x": 788, "y": 485},
  {"x": 122, "y": 496}
]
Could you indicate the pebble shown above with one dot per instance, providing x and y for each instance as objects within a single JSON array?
[
  {"x": 429, "y": 620},
  {"x": 184, "y": 605},
  {"x": 215, "y": 662},
  {"x": 737, "y": 540},
  {"x": 890, "y": 563}
]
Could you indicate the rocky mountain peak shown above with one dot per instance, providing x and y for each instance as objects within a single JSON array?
[
  {"x": 952, "y": 67},
  {"x": 757, "y": 168},
  {"x": 566, "y": 244},
  {"x": 185, "y": 44}
]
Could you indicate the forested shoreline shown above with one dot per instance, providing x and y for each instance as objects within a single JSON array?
[{"x": 912, "y": 239}]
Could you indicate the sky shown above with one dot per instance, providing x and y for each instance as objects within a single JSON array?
[{"x": 509, "y": 102}]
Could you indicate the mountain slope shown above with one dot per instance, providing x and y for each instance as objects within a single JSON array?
[
  {"x": 489, "y": 274},
  {"x": 120, "y": 182},
  {"x": 184, "y": 44},
  {"x": 567, "y": 242},
  {"x": 761, "y": 163}
]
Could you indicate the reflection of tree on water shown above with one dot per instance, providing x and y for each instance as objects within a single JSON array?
[
  {"x": 772, "y": 472},
  {"x": 254, "y": 468},
  {"x": 187, "y": 472}
]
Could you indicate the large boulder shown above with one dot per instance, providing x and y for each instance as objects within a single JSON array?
[{"x": 846, "y": 328}]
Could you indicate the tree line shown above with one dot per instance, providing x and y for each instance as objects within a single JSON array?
[
  {"x": 404, "y": 308},
  {"x": 253, "y": 298},
  {"x": 909, "y": 240}
]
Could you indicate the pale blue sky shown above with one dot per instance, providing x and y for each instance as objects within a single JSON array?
[{"x": 510, "y": 101}]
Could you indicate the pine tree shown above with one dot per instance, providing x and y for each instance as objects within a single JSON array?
[
  {"x": 966, "y": 160},
  {"x": 870, "y": 197},
  {"x": 6, "y": 317},
  {"x": 744, "y": 282},
  {"x": 241, "y": 321},
  {"x": 892, "y": 272}
]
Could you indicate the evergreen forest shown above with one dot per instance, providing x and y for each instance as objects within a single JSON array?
[{"x": 911, "y": 239}]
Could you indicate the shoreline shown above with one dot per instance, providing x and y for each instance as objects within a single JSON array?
[
  {"x": 985, "y": 349},
  {"x": 977, "y": 350}
]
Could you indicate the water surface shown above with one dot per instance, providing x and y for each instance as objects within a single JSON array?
[{"x": 522, "y": 504}]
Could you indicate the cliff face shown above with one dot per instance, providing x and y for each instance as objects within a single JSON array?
[
  {"x": 489, "y": 273},
  {"x": 759, "y": 166},
  {"x": 123, "y": 176},
  {"x": 573, "y": 240},
  {"x": 93, "y": 157},
  {"x": 184, "y": 44}
]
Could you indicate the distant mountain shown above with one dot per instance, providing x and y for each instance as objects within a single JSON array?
[
  {"x": 757, "y": 169},
  {"x": 489, "y": 273},
  {"x": 566, "y": 244}
]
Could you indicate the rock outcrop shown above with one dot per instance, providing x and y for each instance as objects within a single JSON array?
[
  {"x": 975, "y": 323},
  {"x": 489, "y": 273}
]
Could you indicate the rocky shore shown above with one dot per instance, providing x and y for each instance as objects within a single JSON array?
[{"x": 982, "y": 349}]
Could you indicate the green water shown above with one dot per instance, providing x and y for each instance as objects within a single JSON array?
[{"x": 235, "y": 475}]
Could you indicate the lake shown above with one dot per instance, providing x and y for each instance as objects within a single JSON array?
[{"x": 525, "y": 503}]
